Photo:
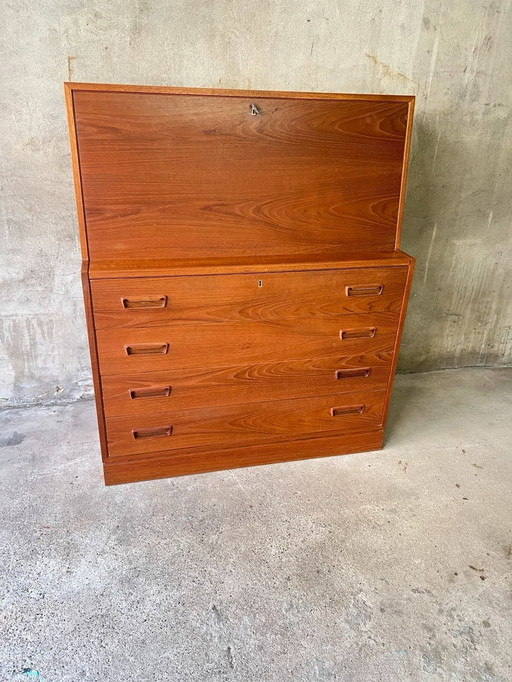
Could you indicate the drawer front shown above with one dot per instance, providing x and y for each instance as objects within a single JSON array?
[
  {"x": 131, "y": 350},
  {"x": 149, "y": 392},
  {"x": 239, "y": 425},
  {"x": 147, "y": 302}
]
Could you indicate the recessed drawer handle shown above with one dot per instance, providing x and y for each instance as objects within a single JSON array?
[
  {"x": 147, "y": 349},
  {"x": 351, "y": 409},
  {"x": 153, "y": 432},
  {"x": 367, "y": 333},
  {"x": 356, "y": 372},
  {"x": 155, "y": 303},
  {"x": 371, "y": 290},
  {"x": 150, "y": 392}
]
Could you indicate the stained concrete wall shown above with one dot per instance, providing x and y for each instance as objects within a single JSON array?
[{"x": 455, "y": 56}]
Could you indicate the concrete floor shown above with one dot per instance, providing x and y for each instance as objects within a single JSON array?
[{"x": 389, "y": 566}]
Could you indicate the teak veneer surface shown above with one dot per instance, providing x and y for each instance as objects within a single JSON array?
[
  {"x": 149, "y": 392},
  {"x": 244, "y": 288},
  {"x": 193, "y": 460},
  {"x": 246, "y": 424},
  {"x": 162, "y": 267},
  {"x": 259, "y": 297},
  {"x": 201, "y": 175}
]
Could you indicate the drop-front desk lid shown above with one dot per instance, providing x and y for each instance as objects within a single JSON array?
[{"x": 211, "y": 176}]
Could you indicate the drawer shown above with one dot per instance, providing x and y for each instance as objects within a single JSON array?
[
  {"x": 146, "y": 302},
  {"x": 131, "y": 350},
  {"x": 239, "y": 425},
  {"x": 148, "y": 392}
]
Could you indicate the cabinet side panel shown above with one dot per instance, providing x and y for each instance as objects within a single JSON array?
[
  {"x": 410, "y": 273},
  {"x": 96, "y": 377},
  {"x": 77, "y": 179},
  {"x": 405, "y": 170}
]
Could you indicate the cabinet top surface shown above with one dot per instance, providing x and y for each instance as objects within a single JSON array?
[
  {"x": 220, "y": 92},
  {"x": 216, "y": 175},
  {"x": 161, "y": 267}
]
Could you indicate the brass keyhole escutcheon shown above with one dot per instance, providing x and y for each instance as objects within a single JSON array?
[{"x": 260, "y": 282}]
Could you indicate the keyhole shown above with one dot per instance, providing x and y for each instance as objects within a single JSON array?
[
  {"x": 260, "y": 282},
  {"x": 254, "y": 110}
]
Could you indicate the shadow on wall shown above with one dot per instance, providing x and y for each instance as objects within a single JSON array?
[
  {"x": 459, "y": 287},
  {"x": 403, "y": 404},
  {"x": 419, "y": 236}
]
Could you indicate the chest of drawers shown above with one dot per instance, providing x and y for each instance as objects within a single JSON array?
[{"x": 244, "y": 289}]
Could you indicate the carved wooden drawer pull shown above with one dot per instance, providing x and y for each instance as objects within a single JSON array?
[
  {"x": 153, "y": 432},
  {"x": 150, "y": 392},
  {"x": 147, "y": 349},
  {"x": 351, "y": 409},
  {"x": 155, "y": 303},
  {"x": 368, "y": 290},
  {"x": 367, "y": 333},
  {"x": 356, "y": 372}
]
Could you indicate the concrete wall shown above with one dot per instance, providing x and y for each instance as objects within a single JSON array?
[{"x": 455, "y": 56}]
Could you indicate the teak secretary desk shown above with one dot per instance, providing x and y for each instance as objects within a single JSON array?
[{"x": 244, "y": 288}]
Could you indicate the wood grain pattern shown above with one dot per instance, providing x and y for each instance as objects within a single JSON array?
[
  {"x": 407, "y": 291},
  {"x": 214, "y": 345},
  {"x": 148, "y": 466},
  {"x": 222, "y": 92},
  {"x": 93, "y": 350},
  {"x": 168, "y": 267},
  {"x": 189, "y": 176},
  {"x": 244, "y": 383},
  {"x": 77, "y": 177},
  {"x": 403, "y": 184},
  {"x": 259, "y": 297},
  {"x": 243, "y": 424}
]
